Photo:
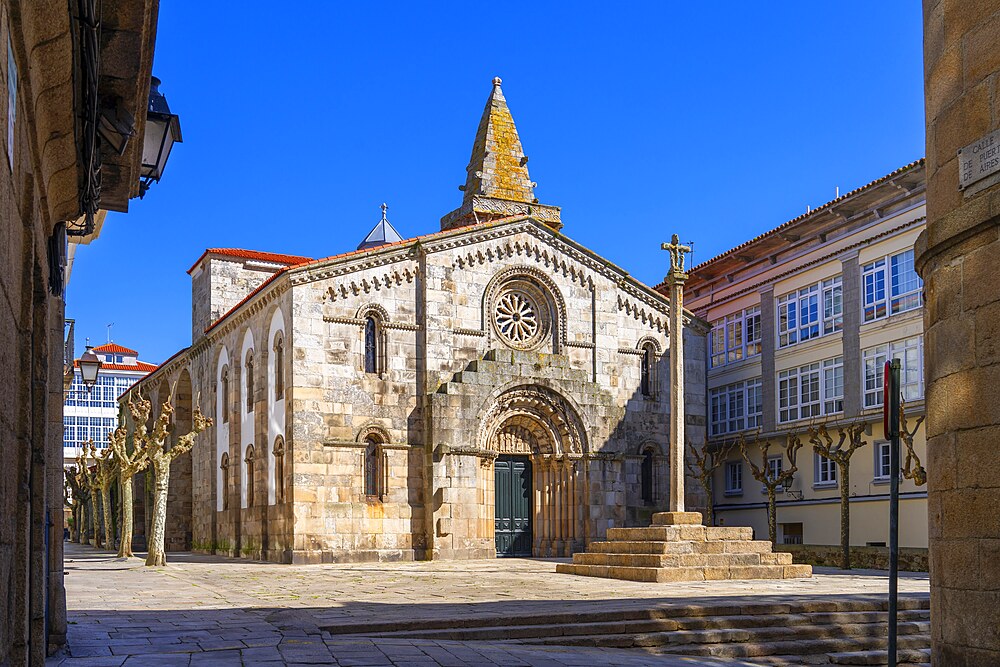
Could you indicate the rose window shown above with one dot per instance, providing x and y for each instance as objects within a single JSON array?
[{"x": 516, "y": 317}]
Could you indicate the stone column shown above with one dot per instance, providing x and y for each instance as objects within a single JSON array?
[
  {"x": 574, "y": 528},
  {"x": 957, "y": 256},
  {"x": 536, "y": 523},
  {"x": 675, "y": 281},
  {"x": 557, "y": 506},
  {"x": 545, "y": 523},
  {"x": 851, "y": 281},
  {"x": 768, "y": 344}
]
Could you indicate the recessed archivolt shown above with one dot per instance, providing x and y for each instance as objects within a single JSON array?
[
  {"x": 375, "y": 310},
  {"x": 552, "y": 422},
  {"x": 649, "y": 340},
  {"x": 372, "y": 429}
]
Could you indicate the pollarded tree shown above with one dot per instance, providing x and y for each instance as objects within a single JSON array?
[
  {"x": 130, "y": 463},
  {"x": 85, "y": 481},
  {"x": 823, "y": 444},
  {"x": 154, "y": 447},
  {"x": 104, "y": 476},
  {"x": 911, "y": 468},
  {"x": 705, "y": 462},
  {"x": 72, "y": 497},
  {"x": 770, "y": 478}
]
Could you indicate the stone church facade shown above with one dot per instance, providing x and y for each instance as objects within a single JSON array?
[{"x": 490, "y": 389}]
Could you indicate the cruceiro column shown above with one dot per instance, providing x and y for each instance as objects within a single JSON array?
[{"x": 676, "y": 278}]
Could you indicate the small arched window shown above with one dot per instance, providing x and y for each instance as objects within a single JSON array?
[
  {"x": 646, "y": 478},
  {"x": 225, "y": 394},
  {"x": 373, "y": 467},
  {"x": 646, "y": 370},
  {"x": 371, "y": 345},
  {"x": 225, "y": 481},
  {"x": 279, "y": 469},
  {"x": 279, "y": 367},
  {"x": 250, "y": 475},
  {"x": 249, "y": 382}
]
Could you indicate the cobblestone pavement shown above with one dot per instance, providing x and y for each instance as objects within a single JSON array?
[{"x": 209, "y": 610}]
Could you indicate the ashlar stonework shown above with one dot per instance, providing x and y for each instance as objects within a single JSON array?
[{"x": 490, "y": 389}]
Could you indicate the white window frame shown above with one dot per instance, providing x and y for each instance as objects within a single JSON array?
[
  {"x": 824, "y": 471},
  {"x": 833, "y": 385},
  {"x": 811, "y": 390},
  {"x": 889, "y": 286},
  {"x": 883, "y": 464},
  {"x": 734, "y": 478},
  {"x": 774, "y": 462},
  {"x": 735, "y": 337},
  {"x": 910, "y": 352},
  {"x": 730, "y": 407},
  {"x": 811, "y": 312}
]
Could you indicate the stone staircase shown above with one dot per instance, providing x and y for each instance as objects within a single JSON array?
[
  {"x": 678, "y": 548},
  {"x": 843, "y": 631}
]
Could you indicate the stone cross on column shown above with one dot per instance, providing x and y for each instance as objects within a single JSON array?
[{"x": 675, "y": 282}]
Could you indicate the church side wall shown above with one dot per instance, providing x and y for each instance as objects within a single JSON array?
[{"x": 337, "y": 408}]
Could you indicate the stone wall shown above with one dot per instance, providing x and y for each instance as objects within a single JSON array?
[
  {"x": 957, "y": 257},
  {"x": 870, "y": 558}
]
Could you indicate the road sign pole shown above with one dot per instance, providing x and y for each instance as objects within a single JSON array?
[{"x": 890, "y": 423}]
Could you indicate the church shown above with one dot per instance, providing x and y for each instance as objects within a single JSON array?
[{"x": 489, "y": 389}]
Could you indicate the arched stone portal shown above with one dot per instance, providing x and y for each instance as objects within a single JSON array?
[{"x": 536, "y": 487}]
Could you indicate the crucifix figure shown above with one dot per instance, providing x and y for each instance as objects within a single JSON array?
[
  {"x": 677, "y": 252},
  {"x": 675, "y": 281}
]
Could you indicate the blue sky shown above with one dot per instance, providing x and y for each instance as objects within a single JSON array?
[{"x": 714, "y": 120}]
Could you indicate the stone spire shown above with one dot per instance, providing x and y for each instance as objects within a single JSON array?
[{"x": 497, "y": 184}]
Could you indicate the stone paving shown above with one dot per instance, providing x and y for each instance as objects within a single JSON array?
[{"x": 208, "y": 610}]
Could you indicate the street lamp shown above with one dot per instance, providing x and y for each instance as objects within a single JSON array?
[
  {"x": 163, "y": 130},
  {"x": 89, "y": 365}
]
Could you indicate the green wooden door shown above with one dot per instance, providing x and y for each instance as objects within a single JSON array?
[{"x": 513, "y": 505}]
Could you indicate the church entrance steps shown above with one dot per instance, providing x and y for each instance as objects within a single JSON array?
[
  {"x": 676, "y": 547},
  {"x": 905, "y": 658},
  {"x": 806, "y": 632}
]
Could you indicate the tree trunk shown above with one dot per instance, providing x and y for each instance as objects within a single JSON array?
[
  {"x": 772, "y": 516},
  {"x": 709, "y": 509},
  {"x": 81, "y": 528},
  {"x": 125, "y": 545},
  {"x": 845, "y": 515},
  {"x": 161, "y": 482},
  {"x": 95, "y": 520},
  {"x": 109, "y": 526}
]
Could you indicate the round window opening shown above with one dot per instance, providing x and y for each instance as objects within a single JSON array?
[{"x": 520, "y": 315}]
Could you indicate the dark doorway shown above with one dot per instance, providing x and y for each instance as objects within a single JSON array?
[{"x": 513, "y": 506}]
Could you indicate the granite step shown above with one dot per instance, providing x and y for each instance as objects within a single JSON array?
[
  {"x": 682, "y": 560},
  {"x": 726, "y": 636},
  {"x": 566, "y": 633},
  {"x": 676, "y": 547},
  {"x": 680, "y": 533},
  {"x": 690, "y": 616},
  {"x": 880, "y": 657},
  {"x": 695, "y": 573},
  {"x": 793, "y": 647}
]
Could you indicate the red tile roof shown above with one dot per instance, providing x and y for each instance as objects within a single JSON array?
[
  {"x": 239, "y": 253},
  {"x": 141, "y": 366},
  {"x": 363, "y": 251},
  {"x": 115, "y": 348}
]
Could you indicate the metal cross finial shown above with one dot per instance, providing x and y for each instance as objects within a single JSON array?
[{"x": 677, "y": 252}]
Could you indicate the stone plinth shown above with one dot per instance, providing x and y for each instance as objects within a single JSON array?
[{"x": 678, "y": 548}]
